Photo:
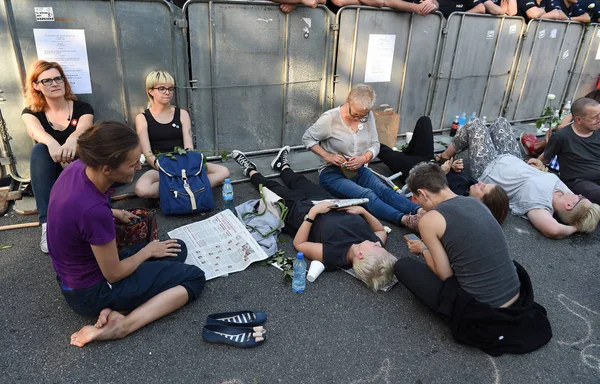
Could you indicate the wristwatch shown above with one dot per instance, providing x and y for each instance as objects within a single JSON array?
[{"x": 306, "y": 218}]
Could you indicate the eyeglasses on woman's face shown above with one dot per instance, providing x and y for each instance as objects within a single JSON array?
[
  {"x": 164, "y": 90},
  {"x": 48, "y": 82}
]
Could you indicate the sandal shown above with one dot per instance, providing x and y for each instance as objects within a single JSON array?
[
  {"x": 240, "y": 318},
  {"x": 527, "y": 142},
  {"x": 240, "y": 337}
]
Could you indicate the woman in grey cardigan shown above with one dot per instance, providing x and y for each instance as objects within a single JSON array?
[{"x": 346, "y": 139}]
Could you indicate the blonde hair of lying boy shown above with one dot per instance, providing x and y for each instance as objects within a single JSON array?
[{"x": 371, "y": 263}]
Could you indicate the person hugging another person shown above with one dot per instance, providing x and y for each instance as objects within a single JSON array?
[
  {"x": 147, "y": 281},
  {"x": 346, "y": 139},
  {"x": 163, "y": 127},
  {"x": 468, "y": 275},
  {"x": 54, "y": 119},
  {"x": 506, "y": 180},
  {"x": 346, "y": 238}
]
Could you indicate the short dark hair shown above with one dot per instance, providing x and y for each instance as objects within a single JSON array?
[
  {"x": 580, "y": 105},
  {"x": 428, "y": 176},
  {"x": 497, "y": 202},
  {"x": 106, "y": 143}
]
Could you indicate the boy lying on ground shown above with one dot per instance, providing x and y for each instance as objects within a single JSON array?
[{"x": 347, "y": 238}]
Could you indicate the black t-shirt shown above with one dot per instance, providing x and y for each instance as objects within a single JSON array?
[
  {"x": 573, "y": 10},
  {"x": 337, "y": 231},
  {"x": 449, "y": 6},
  {"x": 79, "y": 109},
  {"x": 524, "y": 5},
  {"x": 164, "y": 137},
  {"x": 579, "y": 157}
]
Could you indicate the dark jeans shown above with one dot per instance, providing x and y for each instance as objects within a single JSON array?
[
  {"x": 419, "y": 280},
  {"x": 148, "y": 280},
  {"x": 587, "y": 188},
  {"x": 297, "y": 192},
  {"x": 44, "y": 172},
  {"x": 418, "y": 150}
]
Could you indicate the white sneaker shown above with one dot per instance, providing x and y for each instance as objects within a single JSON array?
[{"x": 44, "y": 240}]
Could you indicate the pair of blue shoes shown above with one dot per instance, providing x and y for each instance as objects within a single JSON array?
[{"x": 241, "y": 329}]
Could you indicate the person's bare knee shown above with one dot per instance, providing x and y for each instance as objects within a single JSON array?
[{"x": 217, "y": 174}]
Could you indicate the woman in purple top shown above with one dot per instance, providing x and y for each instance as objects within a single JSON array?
[{"x": 148, "y": 281}]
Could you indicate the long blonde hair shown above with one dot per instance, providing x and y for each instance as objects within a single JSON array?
[
  {"x": 157, "y": 77},
  {"x": 35, "y": 99}
]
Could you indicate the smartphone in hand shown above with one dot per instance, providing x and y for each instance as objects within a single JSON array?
[{"x": 411, "y": 237}]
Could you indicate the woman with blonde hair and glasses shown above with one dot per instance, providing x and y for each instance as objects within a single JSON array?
[
  {"x": 163, "y": 127},
  {"x": 55, "y": 119},
  {"x": 346, "y": 138}
]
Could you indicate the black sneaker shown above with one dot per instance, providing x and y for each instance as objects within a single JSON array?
[
  {"x": 243, "y": 161},
  {"x": 281, "y": 159}
]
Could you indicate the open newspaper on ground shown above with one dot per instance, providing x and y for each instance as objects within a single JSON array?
[
  {"x": 219, "y": 245},
  {"x": 341, "y": 203}
]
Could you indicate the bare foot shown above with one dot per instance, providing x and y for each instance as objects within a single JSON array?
[
  {"x": 103, "y": 317},
  {"x": 90, "y": 333}
]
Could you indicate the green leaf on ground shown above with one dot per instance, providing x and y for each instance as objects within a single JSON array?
[{"x": 5, "y": 247}]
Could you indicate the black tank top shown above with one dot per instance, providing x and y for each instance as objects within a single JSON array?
[{"x": 164, "y": 137}]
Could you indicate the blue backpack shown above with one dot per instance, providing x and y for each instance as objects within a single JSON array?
[{"x": 184, "y": 186}]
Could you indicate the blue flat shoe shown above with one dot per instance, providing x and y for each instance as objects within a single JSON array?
[
  {"x": 236, "y": 319},
  {"x": 240, "y": 337}
]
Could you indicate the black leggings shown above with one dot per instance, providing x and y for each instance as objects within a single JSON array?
[
  {"x": 296, "y": 186},
  {"x": 298, "y": 193},
  {"x": 419, "y": 149}
]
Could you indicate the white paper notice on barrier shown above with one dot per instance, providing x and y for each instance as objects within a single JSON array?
[
  {"x": 67, "y": 47},
  {"x": 598, "y": 53},
  {"x": 380, "y": 58}
]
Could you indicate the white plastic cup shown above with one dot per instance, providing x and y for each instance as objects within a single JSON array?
[
  {"x": 408, "y": 137},
  {"x": 316, "y": 268}
]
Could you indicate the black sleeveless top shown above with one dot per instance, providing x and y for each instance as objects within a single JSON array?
[{"x": 164, "y": 137}]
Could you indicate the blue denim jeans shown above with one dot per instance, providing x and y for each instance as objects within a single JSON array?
[
  {"x": 44, "y": 173},
  {"x": 384, "y": 203}
]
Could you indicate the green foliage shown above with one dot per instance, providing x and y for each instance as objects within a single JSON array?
[
  {"x": 548, "y": 116},
  {"x": 2, "y": 247},
  {"x": 183, "y": 151},
  {"x": 286, "y": 263}
]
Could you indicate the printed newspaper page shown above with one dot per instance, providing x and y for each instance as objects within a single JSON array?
[{"x": 219, "y": 245}]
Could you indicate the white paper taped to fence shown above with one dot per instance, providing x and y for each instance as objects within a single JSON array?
[
  {"x": 68, "y": 48},
  {"x": 380, "y": 58},
  {"x": 43, "y": 13}
]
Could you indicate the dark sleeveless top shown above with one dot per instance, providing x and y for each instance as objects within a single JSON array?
[
  {"x": 164, "y": 137},
  {"x": 478, "y": 251}
]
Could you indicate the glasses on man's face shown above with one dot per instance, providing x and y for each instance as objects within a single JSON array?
[
  {"x": 164, "y": 90},
  {"x": 362, "y": 118},
  {"x": 578, "y": 201},
  {"x": 48, "y": 82}
]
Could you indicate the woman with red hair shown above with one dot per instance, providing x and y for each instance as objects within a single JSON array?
[{"x": 54, "y": 118}]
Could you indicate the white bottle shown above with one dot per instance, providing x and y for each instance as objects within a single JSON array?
[
  {"x": 484, "y": 120},
  {"x": 566, "y": 110}
]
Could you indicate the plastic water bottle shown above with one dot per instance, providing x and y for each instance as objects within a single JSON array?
[
  {"x": 228, "y": 196},
  {"x": 566, "y": 110},
  {"x": 454, "y": 127},
  {"x": 484, "y": 120},
  {"x": 462, "y": 120},
  {"x": 473, "y": 116},
  {"x": 299, "y": 280}
]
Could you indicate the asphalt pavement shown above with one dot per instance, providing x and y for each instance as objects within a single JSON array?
[{"x": 337, "y": 331}]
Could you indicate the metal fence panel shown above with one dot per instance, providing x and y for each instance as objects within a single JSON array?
[
  {"x": 11, "y": 96},
  {"x": 475, "y": 68},
  {"x": 260, "y": 76},
  {"x": 545, "y": 66},
  {"x": 121, "y": 51},
  {"x": 415, "y": 49},
  {"x": 587, "y": 67}
]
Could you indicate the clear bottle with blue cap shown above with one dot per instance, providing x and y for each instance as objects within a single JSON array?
[
  {"x": 228, "y": 196},
  {"x": 299, "y": 279}
]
